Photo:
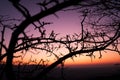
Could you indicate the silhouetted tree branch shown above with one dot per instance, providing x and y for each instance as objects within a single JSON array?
[{"x": 94, "y": 34}]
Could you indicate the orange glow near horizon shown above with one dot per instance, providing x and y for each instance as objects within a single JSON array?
[
  {"x": 67, "y": 23},
  {"x": 107, "y": 58}
]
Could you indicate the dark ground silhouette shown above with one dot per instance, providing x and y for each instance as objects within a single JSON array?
[
  {"x": 111, "y": 72},
  {"x": 92, "y": 73}
]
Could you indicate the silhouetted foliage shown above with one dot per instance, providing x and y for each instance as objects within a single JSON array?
[{"x": 99, "y": 31}]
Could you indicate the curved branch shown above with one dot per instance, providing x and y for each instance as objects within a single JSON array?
[{"x": 60, "y": 60}]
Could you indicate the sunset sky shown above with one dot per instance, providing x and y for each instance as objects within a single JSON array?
[{"x": 67, "y": 23}]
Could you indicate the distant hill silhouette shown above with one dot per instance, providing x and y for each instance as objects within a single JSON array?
[
  {"x": 79, "y": 73},
  {"x": 117, "y": 64}
]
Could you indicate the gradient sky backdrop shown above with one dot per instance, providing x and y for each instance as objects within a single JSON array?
[{"x": 67, "y": 23}]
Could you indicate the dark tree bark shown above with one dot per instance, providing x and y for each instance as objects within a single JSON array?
[{"x": 85, "y": 42}]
